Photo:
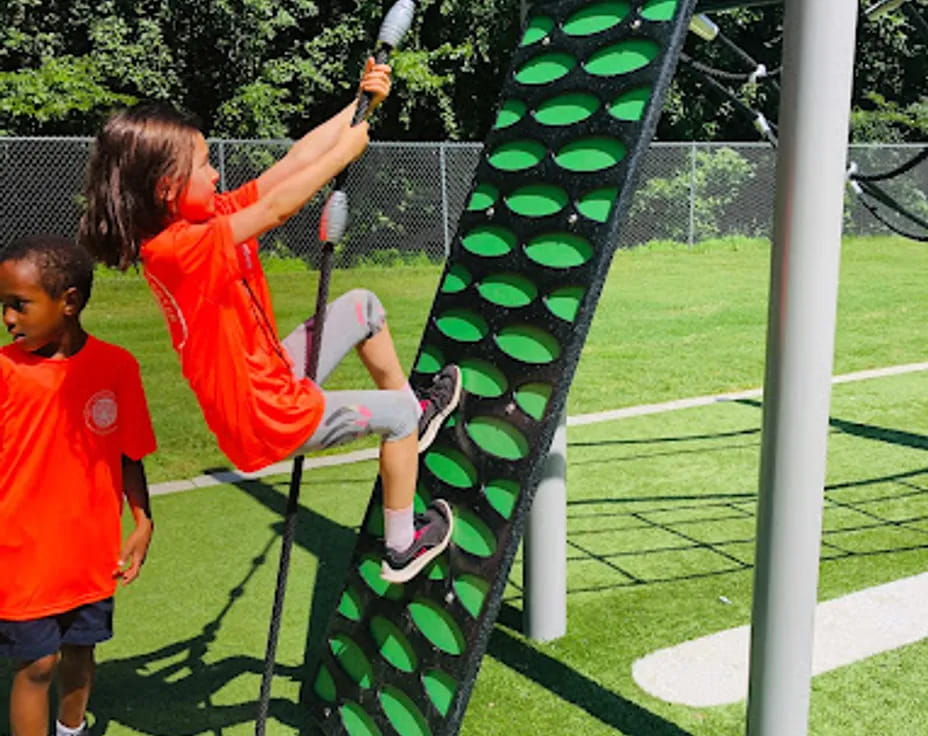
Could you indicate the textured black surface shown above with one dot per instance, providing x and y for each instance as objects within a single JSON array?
[{"x": 498, "y": 438}]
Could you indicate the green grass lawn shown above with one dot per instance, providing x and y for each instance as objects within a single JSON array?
[{"x": 661, "y": 511}]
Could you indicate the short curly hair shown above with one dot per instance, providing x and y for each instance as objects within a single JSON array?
[{"x": 62, "y": 263}]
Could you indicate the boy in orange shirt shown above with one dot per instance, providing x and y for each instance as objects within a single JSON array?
[{"x": 74, "y": 427}]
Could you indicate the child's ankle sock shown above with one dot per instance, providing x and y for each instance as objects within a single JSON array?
[
  {"x": 62, "y": 730},
  {"x": 398, "y": 528},
  {"x": 415, "y": 399}
]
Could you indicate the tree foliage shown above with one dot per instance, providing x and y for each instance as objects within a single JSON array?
[{"x": 272, "y": 68}]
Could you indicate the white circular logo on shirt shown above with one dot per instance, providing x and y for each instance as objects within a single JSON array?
[{"x": 101, "y": 412}]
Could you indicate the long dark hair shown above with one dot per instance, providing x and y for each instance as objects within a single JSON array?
[{"x": 134, "y": 156}]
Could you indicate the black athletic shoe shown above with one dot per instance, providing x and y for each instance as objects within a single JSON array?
[
  {"x": 442, "y": 399},
  {"x": 433, "y": 532}
]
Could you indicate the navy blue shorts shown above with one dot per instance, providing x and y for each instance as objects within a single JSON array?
[{"x": 36, "y": 638}]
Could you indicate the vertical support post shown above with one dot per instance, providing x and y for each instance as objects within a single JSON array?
[
  {"x": 222, "y": 166},
  {"x": 444, "y": 198},
  {"x": 692, "y": 239},
  {"x": 544, "y": 572},
  {"x": 818, "y": 60}
]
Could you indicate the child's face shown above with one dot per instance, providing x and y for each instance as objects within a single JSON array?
[
  {"x": 197, "y": 201},
  {"x": 36, "y": 320}
]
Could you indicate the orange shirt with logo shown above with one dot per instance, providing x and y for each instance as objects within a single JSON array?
[
  {"x": 64, "y": 426},
  {"x": 215, "y": 299}
]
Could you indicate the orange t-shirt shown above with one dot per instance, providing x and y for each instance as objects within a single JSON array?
[
  {"x": 216, "y": 302},
  {"x": 64, "y": 426}
]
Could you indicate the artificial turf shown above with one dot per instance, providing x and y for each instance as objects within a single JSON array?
[{"x": 661, "y": 511}]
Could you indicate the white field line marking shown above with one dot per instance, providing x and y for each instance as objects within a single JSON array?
[
  {"x": 713, "y": 670},
  {"x": 235, "y": 476},
  {"x": 642, "y": 409},
  {"x": 281, "y": 468}
]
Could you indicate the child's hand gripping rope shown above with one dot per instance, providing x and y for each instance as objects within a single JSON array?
[{"x": 375, "y": 85}]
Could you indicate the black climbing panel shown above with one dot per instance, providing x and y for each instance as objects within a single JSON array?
[{"x": 576, "y": 114}]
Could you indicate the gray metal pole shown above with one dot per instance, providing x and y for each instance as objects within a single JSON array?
[
  {"x": 692, "y": 229},
  {"x": 222, "y": 166},
  {"x": 818, "y": 57},
  {"x": 544, "y": 570},
  {"x": 444, "y": 198}
]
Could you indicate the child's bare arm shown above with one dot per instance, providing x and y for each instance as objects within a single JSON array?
[
  {"x": 375, "y": 81},
  {"x": 284, "y": 199},
  {"x": 135, "y": 546}
]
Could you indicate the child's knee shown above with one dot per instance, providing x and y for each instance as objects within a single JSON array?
[
  {"x": 38, "y": 672},
  {"x": 368, "y": 311},
  {"x": 406, "y": 418}
]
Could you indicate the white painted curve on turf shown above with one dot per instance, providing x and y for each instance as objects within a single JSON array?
[{"x": 713, "y": 670}]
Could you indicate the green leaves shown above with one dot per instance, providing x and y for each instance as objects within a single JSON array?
[
  {"x": 60, "y": 91},
  {"x": 257, "y": 68}
]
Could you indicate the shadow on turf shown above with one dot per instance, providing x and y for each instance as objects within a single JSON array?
[
  {"x": 169, "y": 691},
  {"x": 574, "y": 687},
  {"x": 867, "y": 431}
]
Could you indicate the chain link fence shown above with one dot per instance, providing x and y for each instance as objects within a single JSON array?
[{"x": 405, "y": 198}]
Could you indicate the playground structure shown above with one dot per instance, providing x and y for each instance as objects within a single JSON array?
[{"x": 513, "y": 308}]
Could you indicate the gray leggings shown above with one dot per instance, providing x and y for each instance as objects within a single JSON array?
[{"x": 349, "y": 320}]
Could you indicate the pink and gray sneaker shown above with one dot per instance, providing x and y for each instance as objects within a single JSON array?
[
  {"x": 441, "y": 399},
  {"x": 432, "y": 535}
]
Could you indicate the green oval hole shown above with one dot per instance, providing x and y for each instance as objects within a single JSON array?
[
  {"x": 490, "y": 240},
  {"x": 591, "y": 154},
  {"x": 559, "y": 250},
  {"x": 471, "y": 591},
  {"x": 537, "y": 200},
  {"x": 517, "y": 155},
  {"x": 536, "y": 29},
  {"x": 440, "y": 687},
  {"x": 498, "y": 437},
  {"x": 402, "y": 713},
  {"x": 472, "y": 535},
  {"x": 451, "y": 466},
  {"x": 630, "y": 105},
  {"x": 357, "y": 722},
  {"x": 437, "y": 626},
  {"x": 595, "y": 18},
  {"x": 438, "y": 569},
  {"x": 431, "y": 360},
  {"x": 528, "y": 343},
  {"x": 545, "y": 68},
  {"x": 502, "y": 495},
  {"x": 324, "y": 686},
  {"x": 532, "y": 398},
  {"x": 565, "y": 302},
  {"x": 462, "y": 325},
  {"x": 507, "y": 290},
  {"x": 393, "y": 646},
  {"x": 622, "y": 58},
  {"x": 659, "y": 9},
  {"x": 457, "y": 279},
  {"x": 597, "y": 204},
  {"x": 484, "y": 196},
  {"x": 352, "y": 659},
  {"x": 350, "y": 604},
  {"x": 482, "y": 378},
  {"x": 510, "y": 113},
  {"x": 369, "y": 569},
  {"x": 567, "y": 109}
]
